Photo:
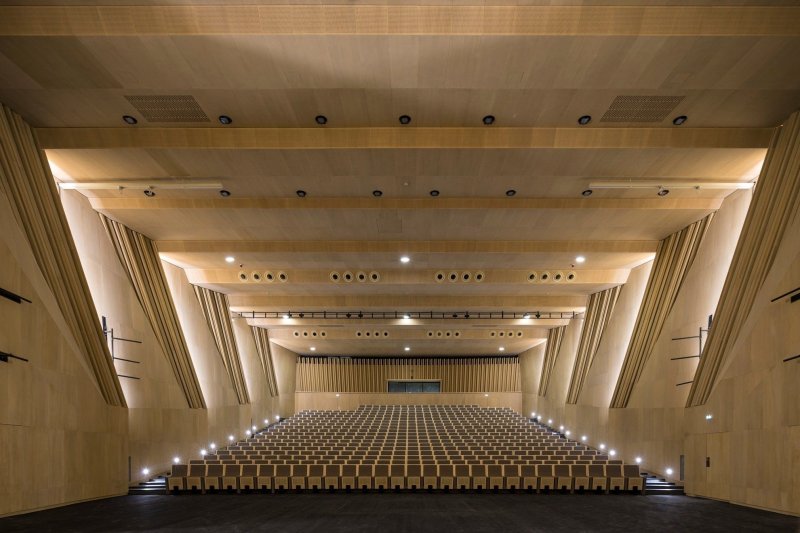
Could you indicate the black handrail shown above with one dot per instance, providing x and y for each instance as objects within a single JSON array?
[
  {"x": 4, "y": 356},
  {"x": 790, "y": 358},
  {"x": 13, "y": 296},
  {"x": 785, "y": 294}
]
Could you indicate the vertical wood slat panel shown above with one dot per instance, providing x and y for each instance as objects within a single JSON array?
[
  {"x": 264, "y": 351},
  {"x": 554, "y": 338}
]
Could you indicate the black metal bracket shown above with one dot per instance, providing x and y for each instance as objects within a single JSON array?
[
  {"x": 791, "y": 358},
  {"x": 5, "y": 356},
  {"x": 439, "y": 315},
  {"x": 109, "y": 334},
  {"x": 684, "y": 383},
  {"x": 13, "y": 296},
  {"x": 785, "y": 294}
]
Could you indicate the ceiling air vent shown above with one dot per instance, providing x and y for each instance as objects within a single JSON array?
[
  {"x": 168, "y": 108},
  {"x": 641, "y": 108}
]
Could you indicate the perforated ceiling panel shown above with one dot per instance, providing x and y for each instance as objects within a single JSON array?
[
  {"x": 168, "y": 108},
  {"x": 641, "y": 108}
]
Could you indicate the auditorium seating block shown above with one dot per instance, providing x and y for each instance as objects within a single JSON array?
[{"x": 423, "y": 447}]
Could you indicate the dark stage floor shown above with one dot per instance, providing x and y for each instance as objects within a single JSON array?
[{"x": 443, "y": 513}]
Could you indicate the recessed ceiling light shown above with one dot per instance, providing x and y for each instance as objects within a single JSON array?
[
  {"x": 224, "y": 193},
  {"x": 313, "y": 349},
  {"x": 434, "y": 193},
  {"x": 584, "y": 120},
  {"x": 286, "y": 316},
  {"x": 404, "y": 119},
  {"x": 488, "y": 120},
  {"x": 149, "y": 193},
  {"x": 225, "y": 120},
  {"x": 405, "y": 259},
  {"x": 511, "y": 192},
  {"x": 377, "y": 193},
  {"x": 129, "y": 119},
  {"x": 301, "y": 193},
  {"x": 526, "y": 316},
  {"x": 501, "y": 349},
  {"x": 407, "y": 348},
  {"x": 407, "y": 316},
  {"x": 663, "y": 192},
  {"x": 680, "y": 120},
  {"x": 230, "y": 259},
  {"x": 580, "y": 259},
  {"x": 587, "y": 192},
  {"x": 321, "y": 120}
]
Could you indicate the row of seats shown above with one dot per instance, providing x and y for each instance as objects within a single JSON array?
[{"x": 268, "y": 477}]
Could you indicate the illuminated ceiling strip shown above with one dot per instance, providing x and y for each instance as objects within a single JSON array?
[
  {"x": 652, "y": 184},
  {"x": 138, "y": 185}
]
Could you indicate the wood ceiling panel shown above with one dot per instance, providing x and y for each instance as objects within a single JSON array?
[{"x": 425, "y": 347}]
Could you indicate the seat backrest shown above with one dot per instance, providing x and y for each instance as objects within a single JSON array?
[
  {"x": 494, "y": 470},
  {"x": 283, "y": 470},
  {"x": 197, "y": 470},
  {"x": 180, "y": 470},
  {"x": 511, "y": 470},
  {"x": 562, "y": 470},
  {"x": 214, "y": 470},
  {"x": 316, "y": 470},
  {"x": 597, "y": 471},
  {"x": 397, "y": 470},
  {"x": 614, "y": 470},
  {"x": 299, "y": 470},
  {"x": 381, "y": 470},
  {"x": 631, "y": 470},
  {"x": 349, "y": 470},
  {"x": 267, "y": 470},
  {"x": 249, "y": 470},
  {"x": 413, "y": 470},
  {"x": 233, "y": 470},
  {"x": 544, "y": 470},
  {"x": 365, "y": 470},
  {"x": 332, "y": 470},
  {"x": 578, "y": 470}
]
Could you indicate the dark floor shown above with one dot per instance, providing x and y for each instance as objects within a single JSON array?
[{"x": 445, "y": 513}]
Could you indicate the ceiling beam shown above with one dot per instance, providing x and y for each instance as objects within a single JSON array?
[
  {"x": 588, "y": 138},
  {"x": 395, "y": 247},
  {"x": 398, "y": 20},
  {"x": 405, "y": 302},
  {"x": 397, "y": 333},
  {"x": 303, "y": 324},
  {"x": 230, "y": 276},
  {"x": 349, "y": 203}
]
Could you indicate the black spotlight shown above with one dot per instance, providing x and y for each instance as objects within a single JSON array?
[
  {"x": 360, "y": 315},
  {"x": 587, "y": 192},
  {"x": 302, "y": 315},
  {"x": 466, "y": 315},
  {"x": 584, "y": 120},
  {"x": 538, "y": 314},
  {"x": 434, "y": 193},
  {"x": 225, "y": 120},
  {"x": 347, "y": 315},
  {"x": 488, "y": 120},
  {"x": 301, "y": 193},
  {"x": 679, "y": 120},
  {"x": 129, "y": 119},
  {"x": 404, "y": 119},
  {"x": 663, "y": 192},
  {"x": 149, "y": 193},
  {"x": 377, "y": 193},
  {"x": 321, "y": 120},
  {"x": 224, "y": 193},
  {"x": 510, "y": 192}
]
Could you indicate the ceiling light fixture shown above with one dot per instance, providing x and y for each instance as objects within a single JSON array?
[
  {"x": 501, "y": 349},
  {"x": 321, "y": 120},
  {"x": 313, "y": 349},
  {"x": 584, "y": 120},
  {"x": 129, "y": 120},
  {"x": 510, "y": 192},
  {"x": 663, "y": 192},
  {"x": 680, "y": 120},
  {"x": 149, "y": 193},
  {"x": 225, "y": 120},
  {"x": 230, "y": 259},
  {"x": 526, "y": 316},
  {"x": 580, "y": 259},
  {"x": 407, "y": 348},
  {"x": 224, "y": 193},
  {"x": 405, "y": 259},
  {"x": 587, "y": 192},
  {"x": 404, "y": 119},
  {"x": 434, "y": 193},
  {"x": 377, "y": 193},
  {"x": 488, "y": 120},
  {"x": 406, "y": 316},
  {"x": 151, "y": 184},
  {"x": 301, "y": 193},
  {"x": 653, "y": 184}
]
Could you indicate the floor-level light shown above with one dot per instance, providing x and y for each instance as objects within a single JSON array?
[
  {"x": 176, "y": 460},
  {"x": 145, "y": 471},
  {"x": 638, "y": 460},
  {"x": 669, "y": 471}
]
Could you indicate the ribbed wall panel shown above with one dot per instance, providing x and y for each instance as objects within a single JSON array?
[
  {"x": 261, "y": 337},
  {"x": 554, "y": 338},
  {"x": 26, "y": 180},
  {"x": 366, "y": 374}
]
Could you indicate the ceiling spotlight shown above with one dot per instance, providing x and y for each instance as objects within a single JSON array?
[
  {"x": 149, "y": 193},
  {"x": 313, "y": 348},
  {"x": 434, "y": 193},
  {"x": 488, "y": 120},
  {"x": 404, "y": 119},
  {"x": 663, "y": 192},
  {"x": 266, "y": 421},
  {"x": 224, "y": 193},
  {"x": 501, "y": 349},
  {"x": 405, "y": 259},
  {"x": 407, "y": 316},
  {"x": 321, "y": 120},
  {"x": 129, "y": 119},
  {"x": 230, "y": 259},
  {"x": 526, "y": 316},
  {"x": 587, "y": 192},
  {"x": 679, "y": 120},
  {"x": 538, "y": 315},
  {"x": 225, "y": 120},
  {"x": 407, "y": 348},
  {"x": 301, "y": 193},
  {"x": 511, "y": 192},
  {"x": 286, "y": 316},
  {"x": 377, "y": 193},
  {"x": 580, "y": 259},
  {"x": 584, "y": 120}
]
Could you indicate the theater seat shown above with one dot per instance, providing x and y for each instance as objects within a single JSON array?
[{"x": 177, "y": 478}]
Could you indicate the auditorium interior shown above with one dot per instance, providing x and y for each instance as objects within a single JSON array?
[{"x": 417, "y": 265}]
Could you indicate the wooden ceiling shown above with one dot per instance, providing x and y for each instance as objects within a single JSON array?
[{"x": 733, "y": 70}]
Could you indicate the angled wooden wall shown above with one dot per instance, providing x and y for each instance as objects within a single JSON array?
[
  {"x": 217, "y": 314},
  {"x": 139, "y": 257},
  {"x": 261, "y": 337},
  {"x": 775, "y": 203},
  {"x": 554, "y": 338},
  {"x": 26, "y": 179},
  {"x": 371, "y": 374},
  {"x": 598, "y": 312},
  {"x": 673, "y": 260}
]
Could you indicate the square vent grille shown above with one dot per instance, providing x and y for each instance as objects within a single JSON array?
[
  {"x": 168, "y": 108},
  {"x": 641, "y": 108}
]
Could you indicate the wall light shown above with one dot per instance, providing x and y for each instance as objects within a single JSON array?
[
  {"x": 602, "y": 446},
  {"x": 266, "y": 420},
  {"x": 254, "y": 428},
  {"x": 486, "y": 395},
  {"x": 709, "y": 416},
  {"x": 176, "y": 460},
  {"x": 580, "y": 259},
  {"x": 638, "y": 460},
  {"x": 407, "y": 348},
  {"x": 203, "y": 452},
  {"x": 230, "y": 438},
  {"x": 247, "y": 432},
  {"x": 612, "y": 453},
  {"x": 549, "y": 421},
  {"x": 501, "y": 349},
  {"x": 313, "y": 348},
  {"x": 533, "y": 415},
  {"x": 230, "y": 259},
  {"x": 669, "y": 471},
  {"x": 145, "y": 471},
  {"x": 277, "y": 417},
  {"x": 561, "y": 428},
  {"x": 212, "y": 446},
  {"x": 584, "y": 437},
  {"x": 566, "y": 433}
]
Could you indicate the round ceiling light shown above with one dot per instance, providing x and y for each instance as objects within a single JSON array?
[
  {"x": 434, "y": 193},
  {"x": 404, "y": 119},
  {"x": 149, "y": 193},
  {"x": 225, "y": 120},
  {"x": 405, "y": 259},
  {"x": 224, "y": 193},
  {"x": 587, "y": 192},
  {"x": 680, "y": 120},
  {"x": 377, "y": 193},
  {"x": 584, "y": 120},
  {"x": 129, "y": 119},
  {"x": 488, "y": 120},
  {"x": 301, "y": 193},
  {"x": 580, "y": 259},
  {"x": 321, "y": 120},
  {"x": 510, "y": 192},
  {"x": 230, "y": 259},
  {"x": 663, "y": 192}
]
